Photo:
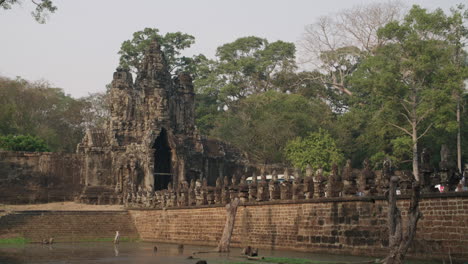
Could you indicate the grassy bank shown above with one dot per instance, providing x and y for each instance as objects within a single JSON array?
[{"x": 14, "y": 240}]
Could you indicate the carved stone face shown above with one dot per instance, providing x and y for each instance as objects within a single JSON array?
[
  {"x": 254, "y": 179},
  {"x": 234, "y": 180},
  {"x": 274, "y": 177},
  {"x": 242, "y": 180}
]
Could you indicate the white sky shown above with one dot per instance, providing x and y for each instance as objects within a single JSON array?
[{"x": 77, "y": 48}]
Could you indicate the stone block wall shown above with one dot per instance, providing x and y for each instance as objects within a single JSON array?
[
  {"x": 34, "y": 177},
  {"x": 66, "y": 226},
  {"x": 334, "y": 225}
]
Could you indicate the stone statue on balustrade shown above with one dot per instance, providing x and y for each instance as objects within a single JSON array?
[
  {"x": 319, "y": 180},
  {"x": 243, "y": 190},
  {"x": 366, "y": 180},
  {"x": 273, "y": 187},
  {"x": 192, "y": 198},
  {"x": 285, "y": 186},
  {"x": 297, "y": 186},
  {"x": 225, "y": 191},
  {"x": 449, "y": 176},
  {"x": 208, "y": 192},
  {"x": 158, "y": 200},
  {"x": 428, "y": 177},
  {"x": 149, "y": 198},
  {"x": 406, "y": 182},
  {"x": 309, "y": 183},
  {"x": 253, "y": 188},
  {"x": 183, "y": 194},
  {"x": 172, "y": 196},
  {"x": 333, "y": 183},
  {"x": 233, "y": 189},
  {"x": 198, "y": 193},
  {"x": 349, "y": 180},
  {"x": 262, "y": 189}
]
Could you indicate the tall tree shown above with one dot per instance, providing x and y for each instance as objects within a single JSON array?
[
  {"x": 334, "y": 45},
  {"x": 172, "y": 43},
  {"x": 251, "y": 65},
  {"x": 458, "y": 36},
  {"x": 413, "y": 76}
]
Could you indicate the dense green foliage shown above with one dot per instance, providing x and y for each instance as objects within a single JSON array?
[
  {"x": 317, "y": 149},
  {"x": 42, "y": 111},
  {"x": 246, "y": 66},
  {"x": 405, "y": 89},
  {"x": 362, "y": 101},
  {"x": 131, "y": 51},
  {"x": 23, "y": 143},
  {"x": 262, "y": 124}
]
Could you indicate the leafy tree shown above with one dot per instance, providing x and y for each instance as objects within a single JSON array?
[
  {"x": 251, "y": 65},
  {"x": 206, "y": 83},
  {"x": 333, "y": 46},
  {"x": 318, "y": 149},
  {"x": 458, "y": 35},
  {"x": 131, "y": 51},
  {"x": 40, "y": 110},
  {"x": 40, "y": 13},
  {"x": 410, "y": 80},
  {"x": 97, "y": 112},
  {"x": 262, "y": 124},
  {"x": 23, "y": 143},
  {"x": 247, "y": 66}
]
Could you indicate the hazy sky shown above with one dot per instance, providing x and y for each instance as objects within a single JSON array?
[{"x": 77, "y": 48}]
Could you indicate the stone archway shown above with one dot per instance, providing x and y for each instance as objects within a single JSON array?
[{"x": 162, "y": 161}]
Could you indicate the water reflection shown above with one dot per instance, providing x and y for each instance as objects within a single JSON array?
[
  {"x": 116, "y": 250},
  {"x": 139, "y": 253}
]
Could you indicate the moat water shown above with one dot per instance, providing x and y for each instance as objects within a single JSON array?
[{"x": 142, "y": 253}]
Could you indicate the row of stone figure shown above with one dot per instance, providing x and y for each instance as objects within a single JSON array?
[{"x": 351, "y": 182}]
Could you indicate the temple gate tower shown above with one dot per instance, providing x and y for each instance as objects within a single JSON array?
[{"x": 151, "y": 139}]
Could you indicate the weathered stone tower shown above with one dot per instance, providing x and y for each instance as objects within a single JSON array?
[{"x": 151, "y": 139}]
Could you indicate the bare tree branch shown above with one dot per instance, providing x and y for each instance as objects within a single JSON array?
[
  {"x": 401, "y": 128},
  {"x": 423, "y": 116},
  {"x": 425, "y": 131},
  {"x": 407, "y": 118}
]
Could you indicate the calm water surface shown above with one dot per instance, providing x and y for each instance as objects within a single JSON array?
[{"x": 106, "y": 252}]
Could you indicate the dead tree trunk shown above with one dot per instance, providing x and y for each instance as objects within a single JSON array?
[
  {"x": 399, "y": 241},
  {"x": 231, "y": 210}
]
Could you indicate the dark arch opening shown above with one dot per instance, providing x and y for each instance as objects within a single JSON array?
[{"x": 162, "y": 162}]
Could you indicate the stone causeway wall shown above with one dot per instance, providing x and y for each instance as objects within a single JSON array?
[
  {"x": 66, "y": 226},
  {"x": 354, "y": 225},
  {"x": 38, "y": 177}
]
